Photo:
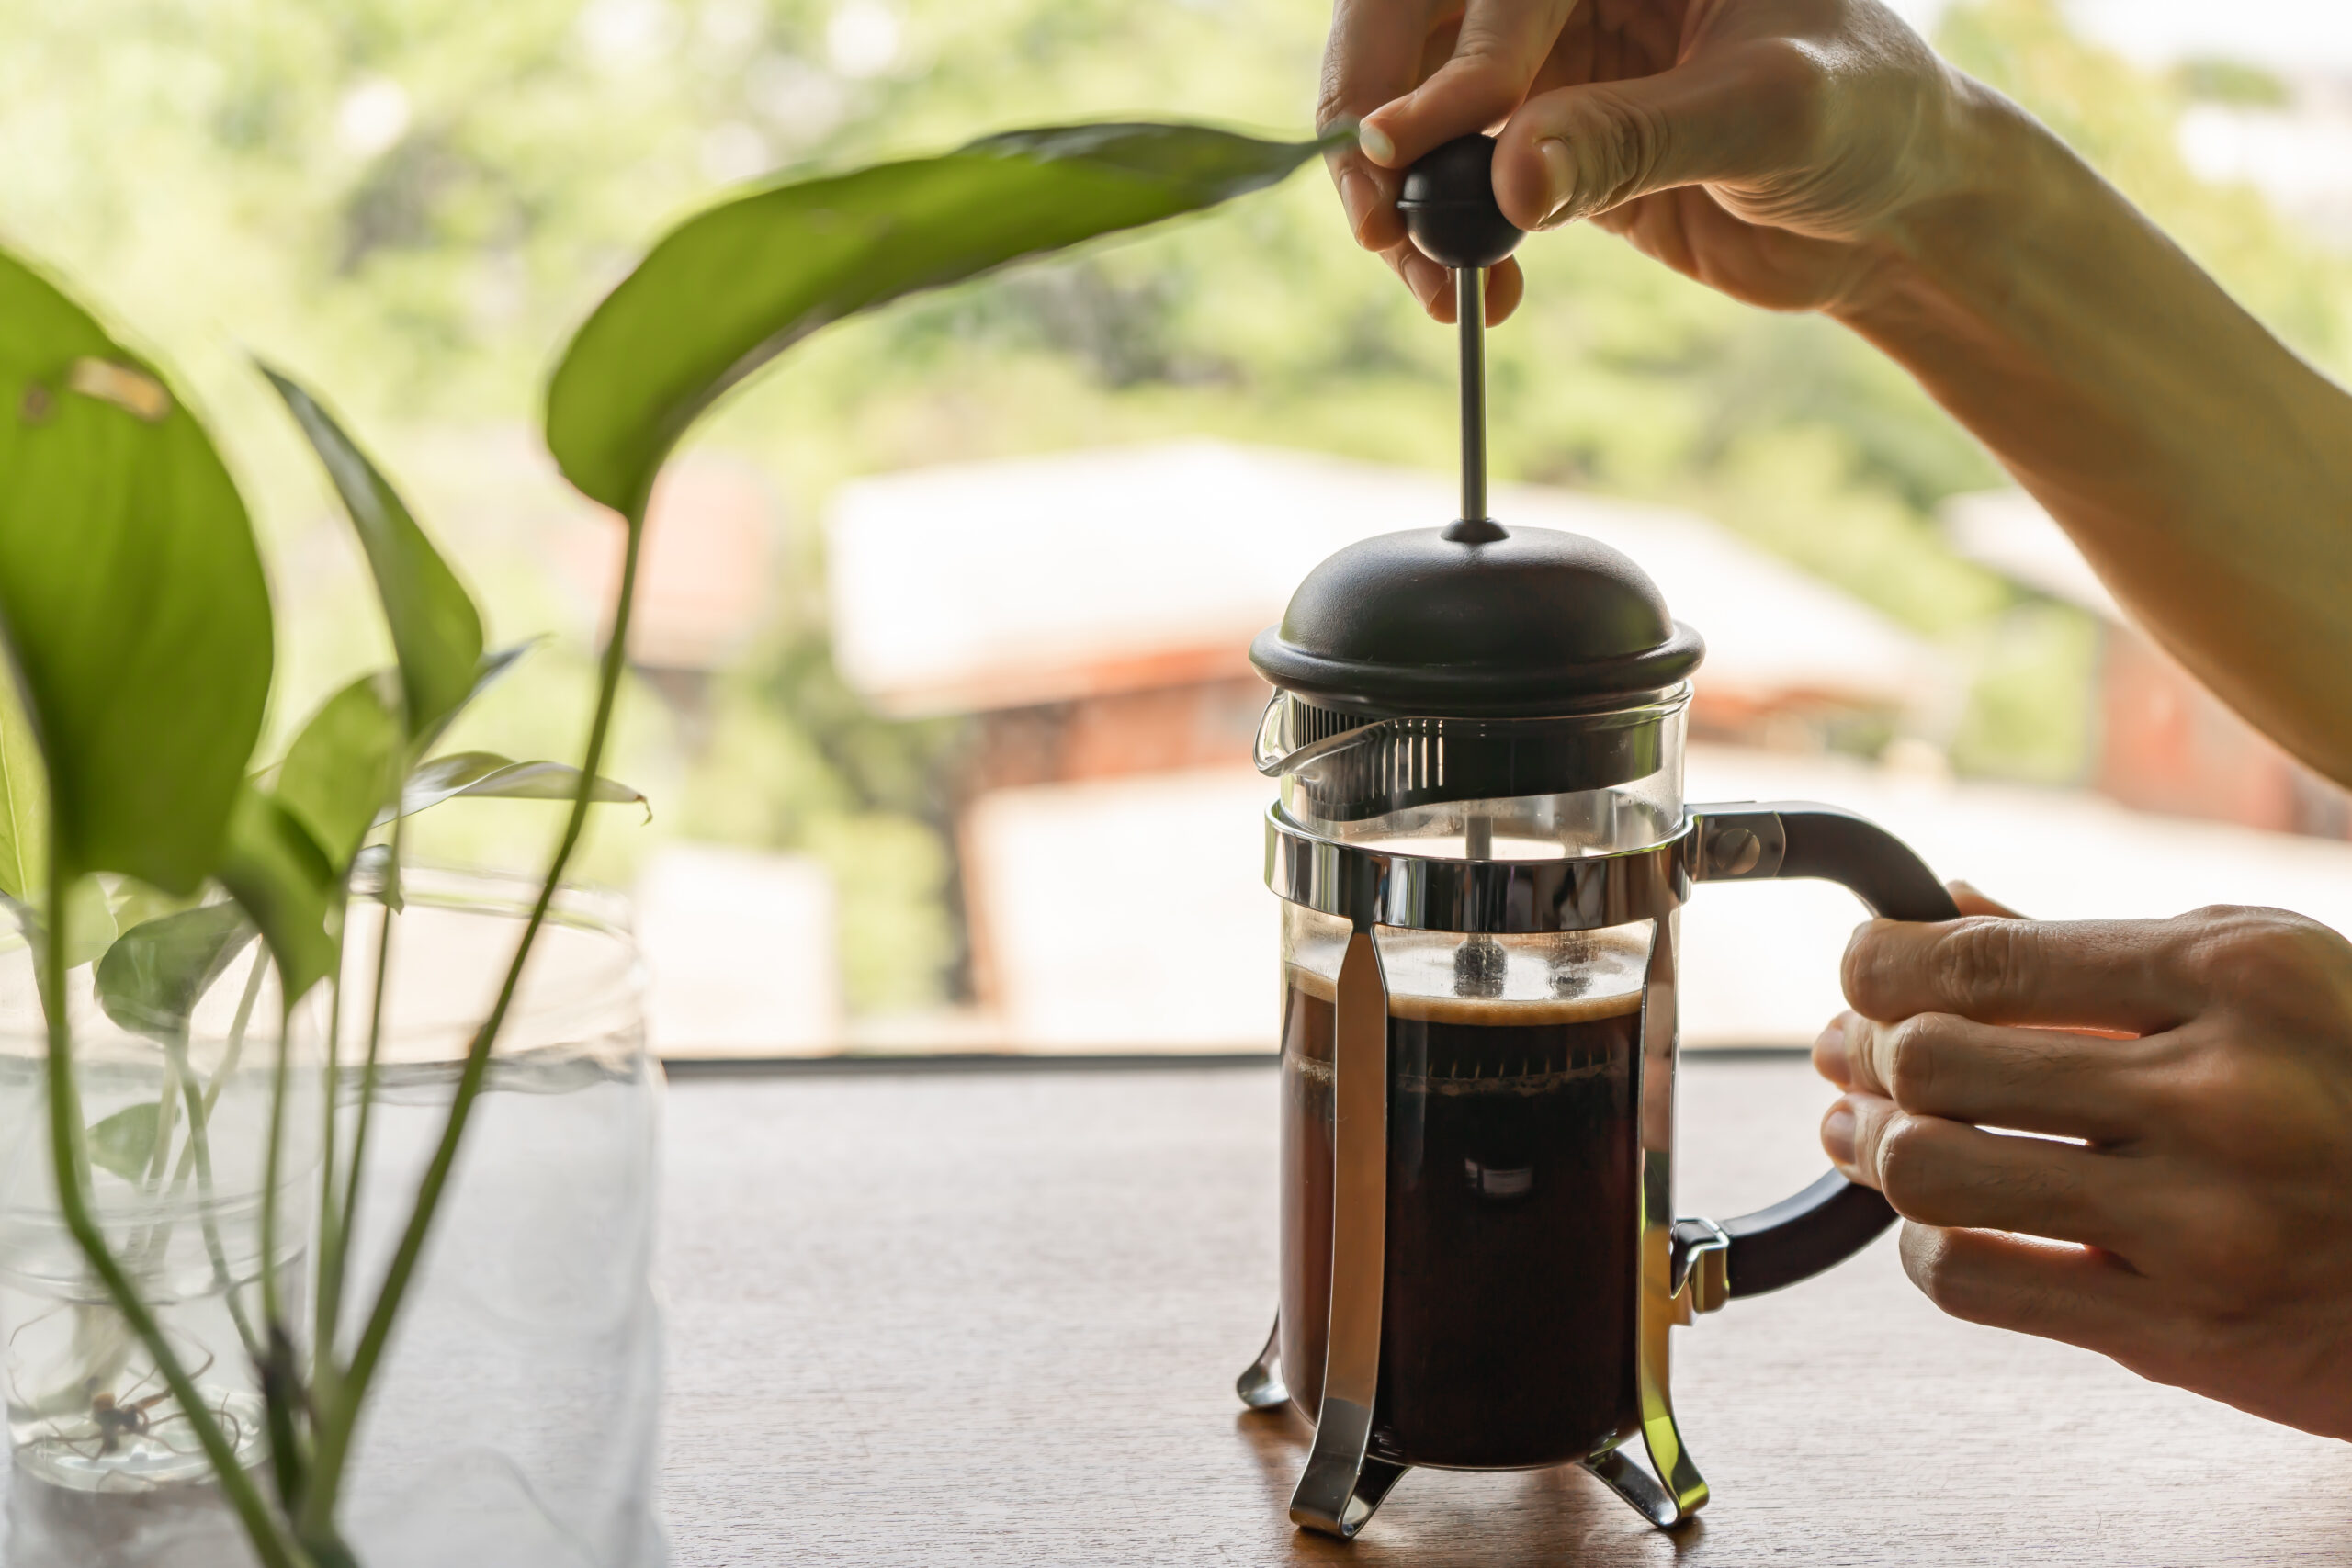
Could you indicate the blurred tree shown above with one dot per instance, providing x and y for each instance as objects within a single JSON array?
[{"x": 411, "y": 200}]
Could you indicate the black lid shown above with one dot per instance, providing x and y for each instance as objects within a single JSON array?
[{"x": 1476, "y": 620}]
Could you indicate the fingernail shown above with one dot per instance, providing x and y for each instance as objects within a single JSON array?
[
  {"x": 1375, "y": 145},
  {"x": 1358, "y": 197},
  {"x": 1560, "y": 173},
  {"x": 1830, "y": 1057},
  {"x": 1838, "y": 1136}
]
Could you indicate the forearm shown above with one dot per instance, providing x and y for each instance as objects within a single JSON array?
[{"x": 2203, "y": 469}]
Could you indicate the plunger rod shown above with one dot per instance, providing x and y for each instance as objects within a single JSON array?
[{"x": 1470, "y": 309}]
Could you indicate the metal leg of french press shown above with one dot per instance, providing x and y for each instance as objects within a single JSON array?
[
  {"x": 1343, "y": 1484},
  {"x": 1261, "y": 1384},
  {"x": 1671, "y": 1489}
]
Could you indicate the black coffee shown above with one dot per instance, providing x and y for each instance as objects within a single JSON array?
[{"x": 1509, "y": 1314}]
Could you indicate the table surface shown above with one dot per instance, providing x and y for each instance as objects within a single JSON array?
[{"x": 996, "y": 1317}]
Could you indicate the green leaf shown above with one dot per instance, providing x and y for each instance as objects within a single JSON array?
[
  {"x": 125, "y": 1141},
  {"x": 24, "y": 802},
  {"x": 345, "y": 767},
  {"x": 90, "y": 924},
  {"x": 132, "y": 596},
  {"x": 489, "y": 775},
  {"x": 277, "y": 871},
  {"x": 156, "y": 971},
  {"x": 733, "y": 287},
  {"x": 437, "y": 630}
]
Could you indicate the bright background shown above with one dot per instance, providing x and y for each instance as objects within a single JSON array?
[{"x": 409, "y": 202}]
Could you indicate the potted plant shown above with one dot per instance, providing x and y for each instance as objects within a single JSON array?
[{"x": 138, "y": 633}]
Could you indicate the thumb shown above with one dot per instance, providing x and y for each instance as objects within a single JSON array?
[{"x": 1578, "y": 151}]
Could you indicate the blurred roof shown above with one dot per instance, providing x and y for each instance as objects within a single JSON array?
[
  {"x": 2007, "y": 530},
  {"x": 1005, "y": 583}
]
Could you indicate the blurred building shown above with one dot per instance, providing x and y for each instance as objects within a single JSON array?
[
  {"x": 1093, "y": 611},
  {"x": 712, "y": 557},
  {"x": 1096, "y": 608},
  {"x": 2162, "y": 741},
  {"x": 741, "y": 948}
]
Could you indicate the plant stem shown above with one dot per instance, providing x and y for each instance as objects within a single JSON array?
[
  {"x": 337, "y": 1427},
  {"x": 68, "y": 1162},
  {"x": 146, "y": 1247},
  {"x": 332, "y": 1261},
  {"x": 272, "y": 1308},
  {"x": 280, "y": 1378},
  {"x": 330, "y": 1214},
  {"x": 199, "y": 1148},
  {"x": 159, "y": 1153},
  {"x": 198, "y": 1155}
]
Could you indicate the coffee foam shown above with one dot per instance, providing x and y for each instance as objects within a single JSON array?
[
  {"x": 1607, "y": 969},
  {"x": 1514, "y": 1013},
  {"x": 1322, "y": 987}
]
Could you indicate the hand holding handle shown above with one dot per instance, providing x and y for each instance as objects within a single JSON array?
[{"x": 1833, "y": 1219}]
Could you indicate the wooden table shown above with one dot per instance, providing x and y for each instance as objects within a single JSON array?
[{"x": 995, "y": 1318}]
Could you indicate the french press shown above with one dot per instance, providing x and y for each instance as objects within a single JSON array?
[{"x": 1481, "y": 846}]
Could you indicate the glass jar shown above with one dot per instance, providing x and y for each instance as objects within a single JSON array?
[
  {"x": 106, "y": 1470},
  {"x": 516, "y": 1416}
]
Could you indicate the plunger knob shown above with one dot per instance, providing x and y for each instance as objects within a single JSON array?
[{"x": 1449, "y": 207}]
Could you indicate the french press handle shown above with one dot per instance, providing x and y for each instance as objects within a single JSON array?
[{"x": 1755, "y": 842}]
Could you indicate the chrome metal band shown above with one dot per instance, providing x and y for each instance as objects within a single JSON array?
[
  {"x": 1343, "y": 1481},
  {"x": 1373, "y": 888}
]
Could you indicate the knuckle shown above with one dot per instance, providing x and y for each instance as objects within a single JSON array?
[
  {"x": 1867, "y": 972},
  {"x": 1982, "y": 958},
  {"x": 1336, "y": 97},
  {"x": 1629, "y": 143},
  {"x": 1910, "y": 1063},
  {"x": 2234, "y": 948},
  {"x": 1486, "y": 61},
  {"x": 1905, "y": 1166},
  {"x": 1935, "y": 1267},
  {"x": 1786, "y": 77},
  {"x": 1787, "y": 91}
]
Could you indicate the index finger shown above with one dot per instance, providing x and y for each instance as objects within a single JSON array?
[
  {"x": 1372, "y": 56},
  {"x": 2118, "y": 974},
  {"x": 2052, "y": 1081},
  {"x": 1502, "y": 46}
]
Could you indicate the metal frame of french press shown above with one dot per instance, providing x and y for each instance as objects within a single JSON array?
[
  {"x": 1686, "y": 1265},
  {"x": 1682, "y": 1262}
]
